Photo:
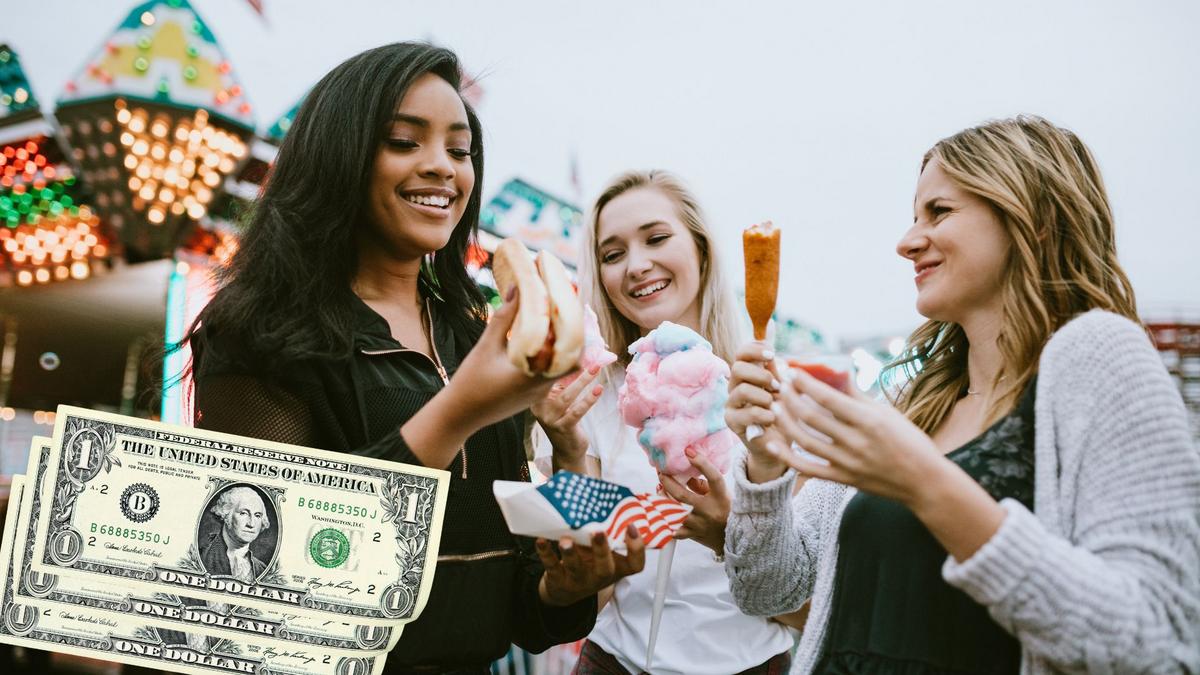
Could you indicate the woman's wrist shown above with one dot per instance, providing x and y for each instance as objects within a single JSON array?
[
  {"x": 959, "y": 513},
  {"x": 569, "y": 449},
  {"x": 438, "y": 430},
  {"x": 762, "y": 468}
]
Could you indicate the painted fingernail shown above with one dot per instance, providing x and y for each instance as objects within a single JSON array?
[
  {"x": 777, "y": 408},
  {"x": 774, "y": 384},
  {"x": 596, "y": 391},
  {"x": 565, "y": 543},
  {"x": 689, "y": 452},
  {"x": 774, "y": 448},
  {"x": 768, "y": 355}
]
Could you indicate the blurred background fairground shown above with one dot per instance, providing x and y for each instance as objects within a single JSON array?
[{"x": 132, "y": 139}]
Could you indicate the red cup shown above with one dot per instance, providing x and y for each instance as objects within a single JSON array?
[{"x": 835, "y": 370}]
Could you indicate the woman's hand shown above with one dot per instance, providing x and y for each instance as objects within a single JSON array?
[
  {"x": 559, "y": 414},
  {"x": 709, "y": 501},
  {"x": 577, "y": 572},
  {"x": 869, "y": 445},
  {"x": 753, "y": 387},
  {"x": 486, "y": 388},
  {"x": 875, "y": 448}
]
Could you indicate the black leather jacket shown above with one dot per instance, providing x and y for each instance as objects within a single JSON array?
[{"x": 484, "y": 593}]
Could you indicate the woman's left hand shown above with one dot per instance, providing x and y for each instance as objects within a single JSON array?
[
  {"x": 576, "y": 572},
  {"x": 709, "y": 500},
  {"x": 868, "y": 444}
]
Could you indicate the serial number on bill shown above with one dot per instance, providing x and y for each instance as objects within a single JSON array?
[
  {"x": 337, "y": 508},
  {"x": 130, "y": 533}
]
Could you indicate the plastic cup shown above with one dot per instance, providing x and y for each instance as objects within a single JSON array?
[{"x": 835, "y": 370}]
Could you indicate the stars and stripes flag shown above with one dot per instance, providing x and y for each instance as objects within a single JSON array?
[{"x": 570, "y": 504}]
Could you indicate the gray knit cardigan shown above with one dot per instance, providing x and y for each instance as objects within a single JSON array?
[{"x": 1104, "y": 577}]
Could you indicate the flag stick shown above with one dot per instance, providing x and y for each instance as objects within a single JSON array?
[{"x": 660, "y": 597}]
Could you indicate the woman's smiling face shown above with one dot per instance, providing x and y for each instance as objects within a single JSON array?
[
  {"x": 648, "y": 259},
  {"x": 422, "y": 175},
  {"x": 959, "y": 249}
]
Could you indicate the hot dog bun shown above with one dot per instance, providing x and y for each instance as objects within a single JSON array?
[
  {"x": 566, "y": 315},
  {"x": 547, "y": 334}
]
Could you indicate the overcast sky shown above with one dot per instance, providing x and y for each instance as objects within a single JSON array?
[{"x": 812, "y": 114}]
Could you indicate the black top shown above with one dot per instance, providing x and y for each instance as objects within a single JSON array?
[
  {"x": 484, "y": 595},
  {"x": 891, "y": 611}
]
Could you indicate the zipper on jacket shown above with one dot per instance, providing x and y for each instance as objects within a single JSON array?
[
  {"x": 471, "y": 557},
  {"x": 436, "y": 362}
]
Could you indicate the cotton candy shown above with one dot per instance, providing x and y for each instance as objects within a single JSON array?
[
  {"x": 674, "y": 395},
  {"x": 595, "y": 351}
]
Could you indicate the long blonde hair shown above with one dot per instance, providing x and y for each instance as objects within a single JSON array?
[
  {"x": 718, "y": 313},
  {"x": 1045, "y": 186}
]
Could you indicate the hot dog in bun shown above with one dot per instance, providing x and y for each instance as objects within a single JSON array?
[{"x": 547, "y": 334}]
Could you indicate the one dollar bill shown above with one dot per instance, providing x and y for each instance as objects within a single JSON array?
[
  {"x": 174, "y": 611},
  {"x": 123, "y": 638},
  {"x": 239, "y": 520}
]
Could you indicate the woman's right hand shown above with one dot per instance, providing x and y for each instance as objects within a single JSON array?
[
  {"x": 753, "y": 387},
  {"x": 486, "y": 388},
  {"x": 560, "y": 411},
  {"x": 487, "y": 385}
]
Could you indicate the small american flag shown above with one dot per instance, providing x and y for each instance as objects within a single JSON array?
[{"x": 582, "y": 500}]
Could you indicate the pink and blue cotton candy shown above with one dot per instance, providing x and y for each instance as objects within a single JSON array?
[{"x": 674, "y": 395}]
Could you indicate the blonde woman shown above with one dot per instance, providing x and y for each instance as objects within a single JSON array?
[
  {"x": 648, "y": 258},
  {"x": 1037, "y": 440}
]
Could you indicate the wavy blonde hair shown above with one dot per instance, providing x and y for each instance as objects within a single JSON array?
[
  {"x": 718, "y": 313},
  {"x": 1045, "y": 186}
]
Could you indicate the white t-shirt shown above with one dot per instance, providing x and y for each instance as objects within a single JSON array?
[{"x": 702, "y": 631}]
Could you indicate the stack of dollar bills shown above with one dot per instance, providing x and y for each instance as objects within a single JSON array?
[{"x": 198, "y": 552}]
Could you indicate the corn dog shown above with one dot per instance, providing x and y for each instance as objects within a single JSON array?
[{"x": 760, "y": 246}]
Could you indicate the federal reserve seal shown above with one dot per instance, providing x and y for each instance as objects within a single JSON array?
[
  {"x": 139, "y": 502},
  {"x": 329, "y": 548}
]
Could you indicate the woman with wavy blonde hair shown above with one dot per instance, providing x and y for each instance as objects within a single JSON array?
[
  {"x": 1032, "y": 500},
  {"x": 649, "y": 257}
]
